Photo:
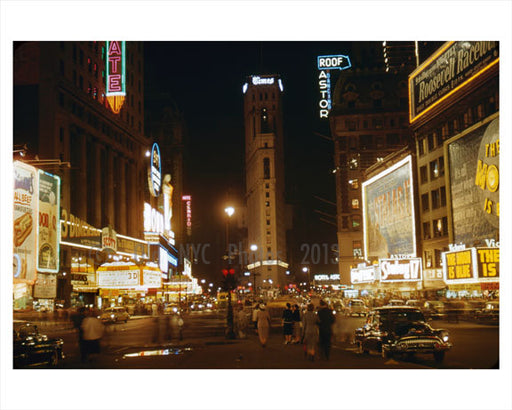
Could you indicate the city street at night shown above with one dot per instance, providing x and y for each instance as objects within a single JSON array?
[{"x": 254, "y": 204}]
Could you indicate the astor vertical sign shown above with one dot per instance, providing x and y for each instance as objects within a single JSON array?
[
  {"x": 325, "y": 64},
  {"x": 115, "y": 74}
]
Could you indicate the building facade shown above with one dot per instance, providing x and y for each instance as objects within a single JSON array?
[{"x": 264, "y": 166}]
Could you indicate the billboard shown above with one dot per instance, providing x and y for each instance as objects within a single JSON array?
[
  {"x": 25, "y": 220},
  {"x": 388, "y": 212},
  {"x": 449, "y": 69},
  {"x": 473, "y": 170},
  {"x": 472, "y": 265},
  {"x": 48, "y": 232},
  {"x": 400, "y": 270}
]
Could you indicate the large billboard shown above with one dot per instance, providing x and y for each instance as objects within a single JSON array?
[
  {"x": 388, "y": 213},
  {"x": 473, "y": 167},
  {"x": 25, "y": 222},
  {"x": 448, "y": 70},
  {"x": 48, "y": 223}
]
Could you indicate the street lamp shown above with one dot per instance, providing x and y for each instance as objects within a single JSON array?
[
  {"x": 305, "y": 269},
  {"x": 230, "y": 334},
  {"x": 254, "y": 248}
]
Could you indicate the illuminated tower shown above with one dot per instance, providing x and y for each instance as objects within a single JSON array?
[{"x": 264, "y": 166}]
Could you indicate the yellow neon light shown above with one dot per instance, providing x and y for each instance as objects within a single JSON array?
[
  {"x": 426, "y": 63},
  {"x": 116, "y": 102}
]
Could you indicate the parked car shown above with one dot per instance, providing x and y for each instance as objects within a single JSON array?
[
  {"x": 31, "y": 348},
  {"x": 433, "y": 309},
  {"x": 171, "y": 309},
  {"x": 114, "y": 315},
  {"x": 356, "y": 307},
  {"x": 401, "y": 330},
  {"x": 490, "y": 314},
  {"x": 414, "y": 303}
]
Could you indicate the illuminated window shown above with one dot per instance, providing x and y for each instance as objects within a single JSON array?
[
  {"x": 354, "y": 162},
  {"x": 354, "y": 183},
  {"x": 356, "y": 222},
  {"x": 440, "y": 227},
  {"x": 267, "y": 194},
  {"x": 264, "y": 121},
  {"x": 355, "y": 203},
  {"x": 357, "y": 249}
]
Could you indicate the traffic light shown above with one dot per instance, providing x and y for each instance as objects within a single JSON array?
[
  {"x": 229, "y": 278},
  {"x": 227, "y": 272}
]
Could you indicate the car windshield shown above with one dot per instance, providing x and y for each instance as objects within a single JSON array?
[{"x": 405, "y": 315}]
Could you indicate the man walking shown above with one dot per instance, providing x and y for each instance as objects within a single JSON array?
[{"x": 325, "y": 321}]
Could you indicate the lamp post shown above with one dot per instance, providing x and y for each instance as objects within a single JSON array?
[
  {"x": 254, "y": 248},
  {"x": 230, "y": 334},
  {"x": 305, "y": 269}
]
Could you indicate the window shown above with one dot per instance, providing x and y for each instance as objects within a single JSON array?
[
  {"x": 267, "y": 194},
  {"x": 267, "y": 186},
  {"x": 267, "y": 203},
  {"x": 354, "y": 183},
  {"x": 355, "y": 203},
  {"x": 357, "y": 249},
  {"x": 268, "y": 221},
  {"x": 434, "y": 170},
  {"x": 423, "y": 174},
  {"x": 264, "y": 121},
  {"x": 354, "y": 162},
  {"x": 431, "y": 141},
  {"x": 366, "y": 141},
  {"x": 356, "y": 222},
  {"x": 421, "y": 147},
  {"x": 392, "y": 139},
  {"x": 426, "y": 230},
  {"x": 440, "y": 227},
  {"x": 442, "y": 191},
  {"x": 424, "y": 202},
  {"x": 266, "y": 168},
  {"x": 435, "y": 199}
]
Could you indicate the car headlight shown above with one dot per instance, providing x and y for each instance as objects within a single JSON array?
[{"x": 444, "y": 335}]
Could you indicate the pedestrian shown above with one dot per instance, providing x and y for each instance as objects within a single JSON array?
[
  {"x": 325, "y": 321},
  {"x": 297, "y": 324},
  {"x": 263, "y": 324},
  {"x": 77, "y": 319},
  {"x": 255, "y": 316},
  {"x": 287, "y": 324},
  {"x": 93, "y": 331},
  {"x": 310, "y": 332},
  {"x": 241, "y": 323},
  {"x": 177, "y": 324}
]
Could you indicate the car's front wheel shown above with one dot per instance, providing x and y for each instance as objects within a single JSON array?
[{"x": 439, "y": 356}]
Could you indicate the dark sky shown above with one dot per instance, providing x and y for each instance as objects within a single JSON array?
[{"x": 205, "y": 81}]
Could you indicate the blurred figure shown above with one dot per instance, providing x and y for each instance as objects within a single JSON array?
[
  {"x": 241, "y": 323},
  {"x": 325, "y": 321},
  {"x": 263, "y": 324},
  {"x": 255, "y": 316},
  {"x": 77, "y": 318},
  {"x": 310, "y": 332},
  {"x": 287, "y": 324},
  {"x": 93, "y": 331},
  {"x": 297, "y": 324}
]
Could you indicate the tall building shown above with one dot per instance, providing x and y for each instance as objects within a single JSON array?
[
  {"x": 368, "y": 121},
  {"x": 265, "y": 200},
  {"x": 79, "y": 111}
]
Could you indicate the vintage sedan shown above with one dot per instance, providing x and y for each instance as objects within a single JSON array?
[
  {"x": 115, "y": 314},
  {"x": 402, "y": 330},
  {"x": 490, "y": 314},
  {"x": 31, "y": 348}
]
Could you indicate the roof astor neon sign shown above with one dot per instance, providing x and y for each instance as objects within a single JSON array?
[{"x": 325, "y": 64}]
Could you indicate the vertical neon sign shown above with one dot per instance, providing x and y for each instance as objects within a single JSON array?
[
  {"x": 325, "y": 65},
  {"x": 116, "y": 74}
]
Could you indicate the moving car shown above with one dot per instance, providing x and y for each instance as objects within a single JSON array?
[
  {"x": 356, "y": 307},
  {"x": 490, "y": 314},
  {"x": 31, "y": 348},
  {"x": 401, "y": 330},
  {"x": 433, "y": 309},
  {"x": 396, "y": 302},
  {"x": 115, "y": 314}
]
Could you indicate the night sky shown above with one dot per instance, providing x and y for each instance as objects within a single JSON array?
[{"x": 204, "y": 79}]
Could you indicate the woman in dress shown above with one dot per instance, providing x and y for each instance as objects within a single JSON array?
[
  {"x": 310, "y": 332},
  {"x": 263, "y": 324}
]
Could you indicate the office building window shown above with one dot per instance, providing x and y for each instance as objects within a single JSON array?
[
  {"x": 354, "y": 183},
  {"x": 423, "y": 174},
  {"x": 355, "y": 203},
  {"x": 426, "y": 230},
  {"x": 356, "y": 222},
  {"x": 424, "y": 202},
  {"x": 266, "y": 168},
  {"x": 435, "y": 199}
]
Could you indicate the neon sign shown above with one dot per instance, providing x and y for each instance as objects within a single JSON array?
[
  {"x": 155, "y": 171},
  {"x": 115, "y": 74},
  {"x": 188, "y": 205},
  {"x": 256, "y": 80},
  {"x": 325, "y": 64}
]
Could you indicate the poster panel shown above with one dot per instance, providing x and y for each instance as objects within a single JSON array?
[
  {"x": 473, "y": 160},
  {"x": 46, "y": 286},
  {"x": 48, "y": 223},
  {"x": 389, "y": 226},
  {"x": 25, "y": 220}
]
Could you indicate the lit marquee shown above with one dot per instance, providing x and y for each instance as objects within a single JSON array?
[{"x": 115, "y": 74}]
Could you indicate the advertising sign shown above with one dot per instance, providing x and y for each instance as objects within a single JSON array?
[
  {"x": 118, "y": 279},
  {"x": 473, "y": 167},
  {"x": 45, "y": 286},
  {"x": 488, "y": 263},
  {"x": 366, "y": 274},
  {"x": 155, "y": 171},
  {"x": 152, "y": 278},
  {"x": 25, "y": 222},
  {"x": 449, "y": 69},
  {"x": 188, "y": 213},
  {"x": 400, "y": 270},
  {"x": 116, "y": 68},
  {"x": 49, "y": 226},
  {"x": 325, "y": 64},
  {"x": 459, "y": 266},
  {"x": 74, "y": 231},
  {"x": 108, "y": 239},
  {"x": 388, "y": 212}
]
